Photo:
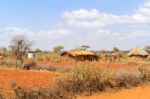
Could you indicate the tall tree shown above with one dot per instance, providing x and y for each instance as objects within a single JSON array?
[
  {"x": 19, "y": 46},
  {"x": 57, "y": 49},
  {"x": 147, "y": 48},
  {"x": 85, "y": 47},
  {"x": 115, "y": 49}
]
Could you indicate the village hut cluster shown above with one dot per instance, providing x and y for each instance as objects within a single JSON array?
[{"x": 83, "y": 55}]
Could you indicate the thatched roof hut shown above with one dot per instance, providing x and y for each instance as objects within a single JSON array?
[
  {"x": 80, "y": 55},
  {"x": 138, "y": 52}
]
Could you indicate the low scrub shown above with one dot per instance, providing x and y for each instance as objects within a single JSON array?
[
  {"x": 1, "y": 96},
  {"x": 126, "y": 78},
  {"x": 145, "y": 73},
  {"x": 60, "y": 69},
  {"x": 87, "y": 79},
  {"x": 37, "y": 93}
]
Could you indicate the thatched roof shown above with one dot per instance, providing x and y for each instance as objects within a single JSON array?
[
  {"x": 137, "y": 51},
  {"x": 80, "y": 52}
]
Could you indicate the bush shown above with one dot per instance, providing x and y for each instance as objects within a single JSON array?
[
  {"x": 56, "y": 59},
  {"x": 86, "y": 79},
  {"x": 37, "y": 93},
  {"x": 126, "y": 78},
  {"x": 91, "y": 78},
  {"x": 40, "y": 59},
  {"x": 145, "y": 73},
  {"x": 63, "y": 69},
  {"x": 30, "y": 65}
]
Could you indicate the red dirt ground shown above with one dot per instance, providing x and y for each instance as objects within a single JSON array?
[
  {"x": 26, "y": 78},
  {"x": 134, "y": 93}
]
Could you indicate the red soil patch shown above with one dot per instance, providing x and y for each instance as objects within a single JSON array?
[
  {"x": 135, "y": 93},
  {"x": 26, "y": 78}
]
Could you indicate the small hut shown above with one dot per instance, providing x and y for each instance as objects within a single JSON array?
[
  {"x": 80, "y": 55},
  {"x": 138, "y": 52},
  {"x": 31, "y": 55}
]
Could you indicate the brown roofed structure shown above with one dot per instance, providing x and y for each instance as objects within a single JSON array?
[
  {"x": 138, "y": 52},
  {"x": 80, "y": 55}
]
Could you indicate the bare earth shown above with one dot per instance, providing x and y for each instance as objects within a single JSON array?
[
  {"x": 133, "y": 93},
  {"x": 26, "y": 78}
]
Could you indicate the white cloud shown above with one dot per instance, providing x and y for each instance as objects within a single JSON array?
[
  {"x": 56, "y": 33},
  {"x": 147, "y": 4},
  {"x": 40, "y": 38},
  {"x": 142, "y": 14},
  {"x": 82, "y": 14},
  {"x": 94, "y": 18}
]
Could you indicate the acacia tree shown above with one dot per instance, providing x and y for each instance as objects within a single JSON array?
[
  {"x": 147, "y": 48},
  {"x": 84, "y": 47},
  {"x": 19, "y": 46},
  {"x": 38, "y": 50},
  {"x": 57, "y": 49},
  {"x": 115, "y": 49}
]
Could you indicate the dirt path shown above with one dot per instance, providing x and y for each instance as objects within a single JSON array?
[{"x": 134, "y": 93}]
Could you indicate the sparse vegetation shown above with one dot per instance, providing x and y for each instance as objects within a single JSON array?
[
  {"x": 87, "y": 79},
  {"x": 145, "y": 73},
  {"x": 19, "y": 47},
  {"x": 57, "y": 49},
  {"x": 84, "y": 47}
]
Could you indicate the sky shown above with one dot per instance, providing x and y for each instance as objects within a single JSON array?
[{"x": 101, "y": 24}]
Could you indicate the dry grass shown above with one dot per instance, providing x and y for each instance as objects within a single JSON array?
[
  {"x": 85, "y": 77},
  {"x": 88, "y": 79},
  {"x": 145, "y": 73},
  {"x": 91, "y": 78}
]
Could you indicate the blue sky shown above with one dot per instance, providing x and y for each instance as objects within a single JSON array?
[{"x": 101, "y": 24}]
